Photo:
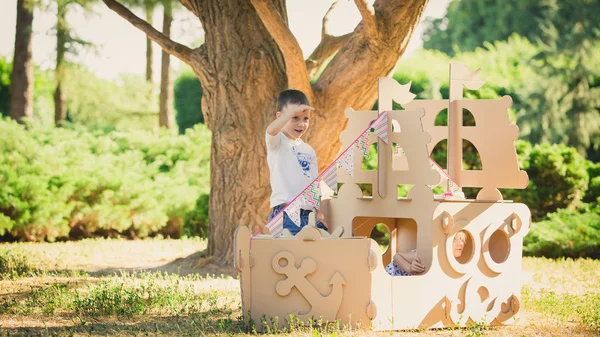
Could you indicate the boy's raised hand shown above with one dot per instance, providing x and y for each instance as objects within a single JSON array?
[
  {"x": 294, "y": 109},
  {"x": 286, "y": 114}
]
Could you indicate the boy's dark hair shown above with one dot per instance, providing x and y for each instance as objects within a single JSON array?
[{"x": 291, "y": 96}]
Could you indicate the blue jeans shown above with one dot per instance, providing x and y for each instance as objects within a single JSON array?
[{"x": 289, "y": 224}]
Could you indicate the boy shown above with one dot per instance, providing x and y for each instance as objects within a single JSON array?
[{"x": 292, "y": 163}]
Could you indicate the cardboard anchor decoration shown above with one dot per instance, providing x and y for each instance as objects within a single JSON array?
[
  {"x": 317, "y": 276},
  {"x": 296, "y": 277}
]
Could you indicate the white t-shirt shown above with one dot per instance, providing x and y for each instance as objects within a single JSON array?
[{"x": 293, "y": 165}]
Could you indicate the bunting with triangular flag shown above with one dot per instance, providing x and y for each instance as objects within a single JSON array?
[
  {"x": 293, "y": 210},
  {"x": 330, "y": 176},
  {"x": 363, "y": 143},
  {"x": 275, "y": 226},
  {"x": 311, "y": 194},
  {"x": 346, "y": 160},
  {"x": 380, "y": 127},
  {"x": 398, "y": 150}
]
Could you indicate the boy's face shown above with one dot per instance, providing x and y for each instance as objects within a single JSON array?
[{"x": 298, "y": 124}]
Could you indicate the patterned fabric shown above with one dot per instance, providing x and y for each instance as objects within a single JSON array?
[
  {"x": 330, "y": 177},
  {"x": 275, "y": 224},
  {"x": 394, "y": 270},
  {"x": 380, "y": 127},
  {"x": 311, "y": 194},
  {"x": 452, "y": 186},
  {"x": 398, "y": 150},
  {"x": 363, "y": 143},
  {"x": 346, "y": 160},
  {"x": 293, "y": 211}
]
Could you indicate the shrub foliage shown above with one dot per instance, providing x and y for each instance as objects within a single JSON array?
[{"x": 76, "y": 182}]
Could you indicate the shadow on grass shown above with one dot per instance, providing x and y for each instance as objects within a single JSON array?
[{"x": 196, "y": 264}]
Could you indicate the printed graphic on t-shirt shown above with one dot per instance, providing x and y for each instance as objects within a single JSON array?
[{"x": 304, "y": 160}]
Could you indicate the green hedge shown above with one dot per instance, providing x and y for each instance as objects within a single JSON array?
[
  {"x": 565, "y": 234},
  {"x": 187, "y": 101},
  {"x": 76, "y": 182},
  {"x": 557, "y": 178},
  {"x": 593, "y": 193},
  {"x": 5, "y": 70}
]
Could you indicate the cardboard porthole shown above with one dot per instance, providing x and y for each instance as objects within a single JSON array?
[
  {"x": 499, "y": 246},
  {"x": 381, "y": 234},
  {"x": 470, "y": 250},
  {"x": 467, "y": 251}
]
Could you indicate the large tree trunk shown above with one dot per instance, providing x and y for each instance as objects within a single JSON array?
[
  {"x": 149, "y": 8},
  {"x": 250, "y": 56},
  {"x": 60, "y": 108},
  {"x": 242, "y": 72},
  {"x": 165, "y": 114},
  {"x": 21, "y": 85},
  {"x": 240, "y": 102}
]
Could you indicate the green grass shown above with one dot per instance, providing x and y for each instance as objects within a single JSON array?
[
  {"x": 566, "y": 290},
  {"x": 13, "y": 265},
  {"x": 561, "y": 297}
]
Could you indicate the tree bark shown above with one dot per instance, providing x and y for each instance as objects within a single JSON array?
[
  {"x": 21, "y": 82},
  {"x": 245, "y": 63},
  {"x": 149, "y": 7},
  {"x": 60, "y": 108},
  {"x": 242, "y": 71},
  {"x": 166, "y": 96}
]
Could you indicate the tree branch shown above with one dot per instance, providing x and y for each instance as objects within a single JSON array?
[
  {"x": 325, "y": 28},
  {"x": 296, "y": 71},
  {"x": 364, "y": 57},
  {"x": 178, "y": 50},
  {"x": 327, "y": 47},
  {"x": 368, "y": 17}
]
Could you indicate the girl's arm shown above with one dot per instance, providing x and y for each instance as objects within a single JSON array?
[
  {"x": 409, "y": 262},
  {"x": 408, "y": 256},
  {"x": 402, "y": 263}
]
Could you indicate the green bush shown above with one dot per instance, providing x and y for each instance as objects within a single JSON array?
[
  {"x": 5, "y": 70},
  {"x": 187, "y": 100},
  {"x": 127, "y": 102},
  {"x": 565, "y": 234},
  {"x": 557, "y": 178},
  {"x": 593, "y": 192},
  {"x": 196, "y": 220},
  {"x": 80, "y": 183}
]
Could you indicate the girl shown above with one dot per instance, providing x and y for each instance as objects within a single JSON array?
[{"x": 405, "y": 264}]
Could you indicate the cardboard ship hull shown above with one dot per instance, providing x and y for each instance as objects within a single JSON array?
[{"x": 316, "y": 279}]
